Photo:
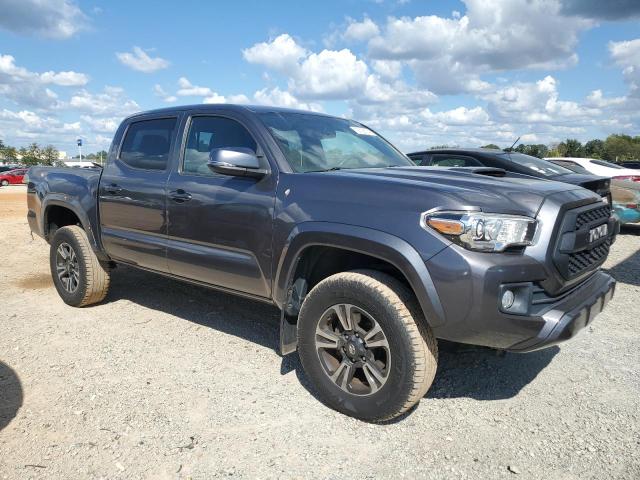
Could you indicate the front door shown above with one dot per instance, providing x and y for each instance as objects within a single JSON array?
[
  {"x": 219, "y": 226},
  {"x": 133, "y": 194}
]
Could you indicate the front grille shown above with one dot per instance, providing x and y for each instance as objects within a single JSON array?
[
  {"x": 582, "y": 261},
  {"x": 575, "y": 254},
  {"x": 584, "y": 218}
]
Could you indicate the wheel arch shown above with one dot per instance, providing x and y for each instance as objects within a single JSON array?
[
  {"x": 387, "y": 252},
  {"x": 57, "y": 208}
]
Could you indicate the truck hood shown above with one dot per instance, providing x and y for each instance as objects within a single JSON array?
[{"x": 490, "y": 190}]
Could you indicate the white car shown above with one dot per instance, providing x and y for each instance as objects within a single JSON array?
[{"x": 598, "y": 167}]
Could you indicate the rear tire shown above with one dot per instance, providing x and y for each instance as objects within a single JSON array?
[
  {"x": 4, "y": 183},
  {"x": 77, "y": 274},
  {"x": 384, "y": 363}
]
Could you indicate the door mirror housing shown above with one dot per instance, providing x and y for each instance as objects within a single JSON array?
[{"x": 235, "y": 161}]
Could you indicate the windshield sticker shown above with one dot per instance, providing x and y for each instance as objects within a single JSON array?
[{"x": 362, "y": 131}]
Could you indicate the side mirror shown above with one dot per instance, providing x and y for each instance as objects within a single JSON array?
[{"x": 235, "y": 161}]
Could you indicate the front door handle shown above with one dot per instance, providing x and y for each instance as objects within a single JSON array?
[
  {"x": 179, "y": 196},
  {"x": 113, "y": 189}
]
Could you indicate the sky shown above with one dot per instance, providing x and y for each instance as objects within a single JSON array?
[{"x": 422, "y": 73}]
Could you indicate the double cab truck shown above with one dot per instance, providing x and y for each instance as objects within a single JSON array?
[{"x": 369, "y": 257}]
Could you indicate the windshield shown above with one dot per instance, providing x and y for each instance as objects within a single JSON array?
[
  {"x": 542, "y": 167},
  {"x": 315, "y": 143}
]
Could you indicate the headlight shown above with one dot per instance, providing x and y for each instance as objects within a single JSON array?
[{"x": 486, "y": 232}]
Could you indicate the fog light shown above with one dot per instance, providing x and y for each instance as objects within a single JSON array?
[{"x": 508, "y": 298}]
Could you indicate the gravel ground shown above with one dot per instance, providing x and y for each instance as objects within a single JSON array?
[{"x": 168, "y": 380}]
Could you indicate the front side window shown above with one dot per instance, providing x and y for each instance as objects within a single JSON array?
[
  {"x": 207, "y": 133},
  {"x": 312, "y": 143},
  {"x": 147, "y": 144}
]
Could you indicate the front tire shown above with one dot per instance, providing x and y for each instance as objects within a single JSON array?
[
  {"x": 4, "y": 183},
  {"x": 364, "y": 344},
  {"x": 77, "y": 274}
]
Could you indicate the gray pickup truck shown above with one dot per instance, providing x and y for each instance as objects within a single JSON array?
[{"x": 369, "y": 257}]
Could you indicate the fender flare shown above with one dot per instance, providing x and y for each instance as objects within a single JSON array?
[
  {"x": 61, "y": 200},
  {"x": 363, "y": 240}
]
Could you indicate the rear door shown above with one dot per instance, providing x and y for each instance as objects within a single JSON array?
[
  {"x": 132, "y": 193},
  {"x": 220, "y": 226}
]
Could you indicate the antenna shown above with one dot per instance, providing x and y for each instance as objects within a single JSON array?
[{"x": 514, "y": 144}]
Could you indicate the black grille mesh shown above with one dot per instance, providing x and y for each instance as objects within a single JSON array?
[
  {"x": 581, "y": 261},
  {"x": 600, "y": 213}
]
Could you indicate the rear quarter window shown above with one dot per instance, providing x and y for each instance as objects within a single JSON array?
[{"x": 147, "y": 143}]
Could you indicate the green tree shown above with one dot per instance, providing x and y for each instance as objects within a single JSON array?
[
  {"x": 594, "y": 148},
  {"x": 574, "y": 148},
  {"x": 10, "y": 154},
  {"x": 621, "y": 147},
  {"x": 49, "y": 155},
  {"x": 31, "y": 155},
  {"x": 491, "y": 145}
]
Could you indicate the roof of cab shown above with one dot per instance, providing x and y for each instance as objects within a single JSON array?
[{"x": 211, "y": 107}]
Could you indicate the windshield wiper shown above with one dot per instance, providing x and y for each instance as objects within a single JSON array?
[{"x": 332, "y": 169}]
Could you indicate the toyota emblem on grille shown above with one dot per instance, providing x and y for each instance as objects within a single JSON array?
[{"x": 598, "y": 232}]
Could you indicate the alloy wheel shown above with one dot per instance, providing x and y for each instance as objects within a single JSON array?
[
  {"x": 67, "y": 267},
  {"x": 353, "y": 349}
]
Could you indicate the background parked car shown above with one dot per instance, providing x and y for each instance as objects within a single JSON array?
[
  {"x": 625, "y": 194},
  {"x": 635, "y": 164},
  {"x": 511, "y": 162},
  {"x": 626, "y": 200},
  {"x": 599, "y": 167},
  {"x": 12, "y": 177}
]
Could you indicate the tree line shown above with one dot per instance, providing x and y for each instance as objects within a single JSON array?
[
  {"x": 34, "y": 154},
  {"x": 615, "y": 148}
]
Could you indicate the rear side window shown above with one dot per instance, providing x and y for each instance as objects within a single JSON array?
[
  {"x": 207, "y": 133},
  {"x": 147, "y": 144},
  {"x": 454, "y": 161}
]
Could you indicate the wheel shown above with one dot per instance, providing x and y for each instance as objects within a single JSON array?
[
  {"x": 365, "y": 345},
  {"x": 77, "y": 274},
  {"x": 4, "y": 183}
]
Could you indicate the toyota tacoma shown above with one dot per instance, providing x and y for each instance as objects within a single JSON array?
[{"x": 369, "y": 257}]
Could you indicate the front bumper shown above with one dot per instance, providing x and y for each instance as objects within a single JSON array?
[
  {"x": 565, "y": 318},
  {"x": 469, "y": 285}
]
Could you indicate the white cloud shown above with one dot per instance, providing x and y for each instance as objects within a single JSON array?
[
  {"x": 47, "y": 18},
  {"x": 537, "y": 102},
  {"x": 278, "y": 98},
  {"x": 330, "y": 74},
  {"x": 141, "y": 61},
  {"x": 102, "y": 125},
  {"x": 65, "y": 79},
  {"x": 627, "y": 55},
  {"x": 187, "y": 89},
  {"x": 388, "y": 69},
  {"x": 30, "y": 89},
  {"x": 458, "y": 116},
  {"x": 448, "y": 55},
  {"x": 111, "y": 102},
  {"x": 166, "y": 97},
  {"x": 281, "y": 54},
  {"x": 360, "y": 31}
]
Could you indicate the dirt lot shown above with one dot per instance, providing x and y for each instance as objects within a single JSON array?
[{"x": 167, "y": 380}]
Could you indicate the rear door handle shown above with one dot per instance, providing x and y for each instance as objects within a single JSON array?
[
  {"x": 179, "y": 196},
  {"x": 113, "y": 189}
]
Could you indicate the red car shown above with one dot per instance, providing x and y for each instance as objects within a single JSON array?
[{"x": 12, "y": 177}]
